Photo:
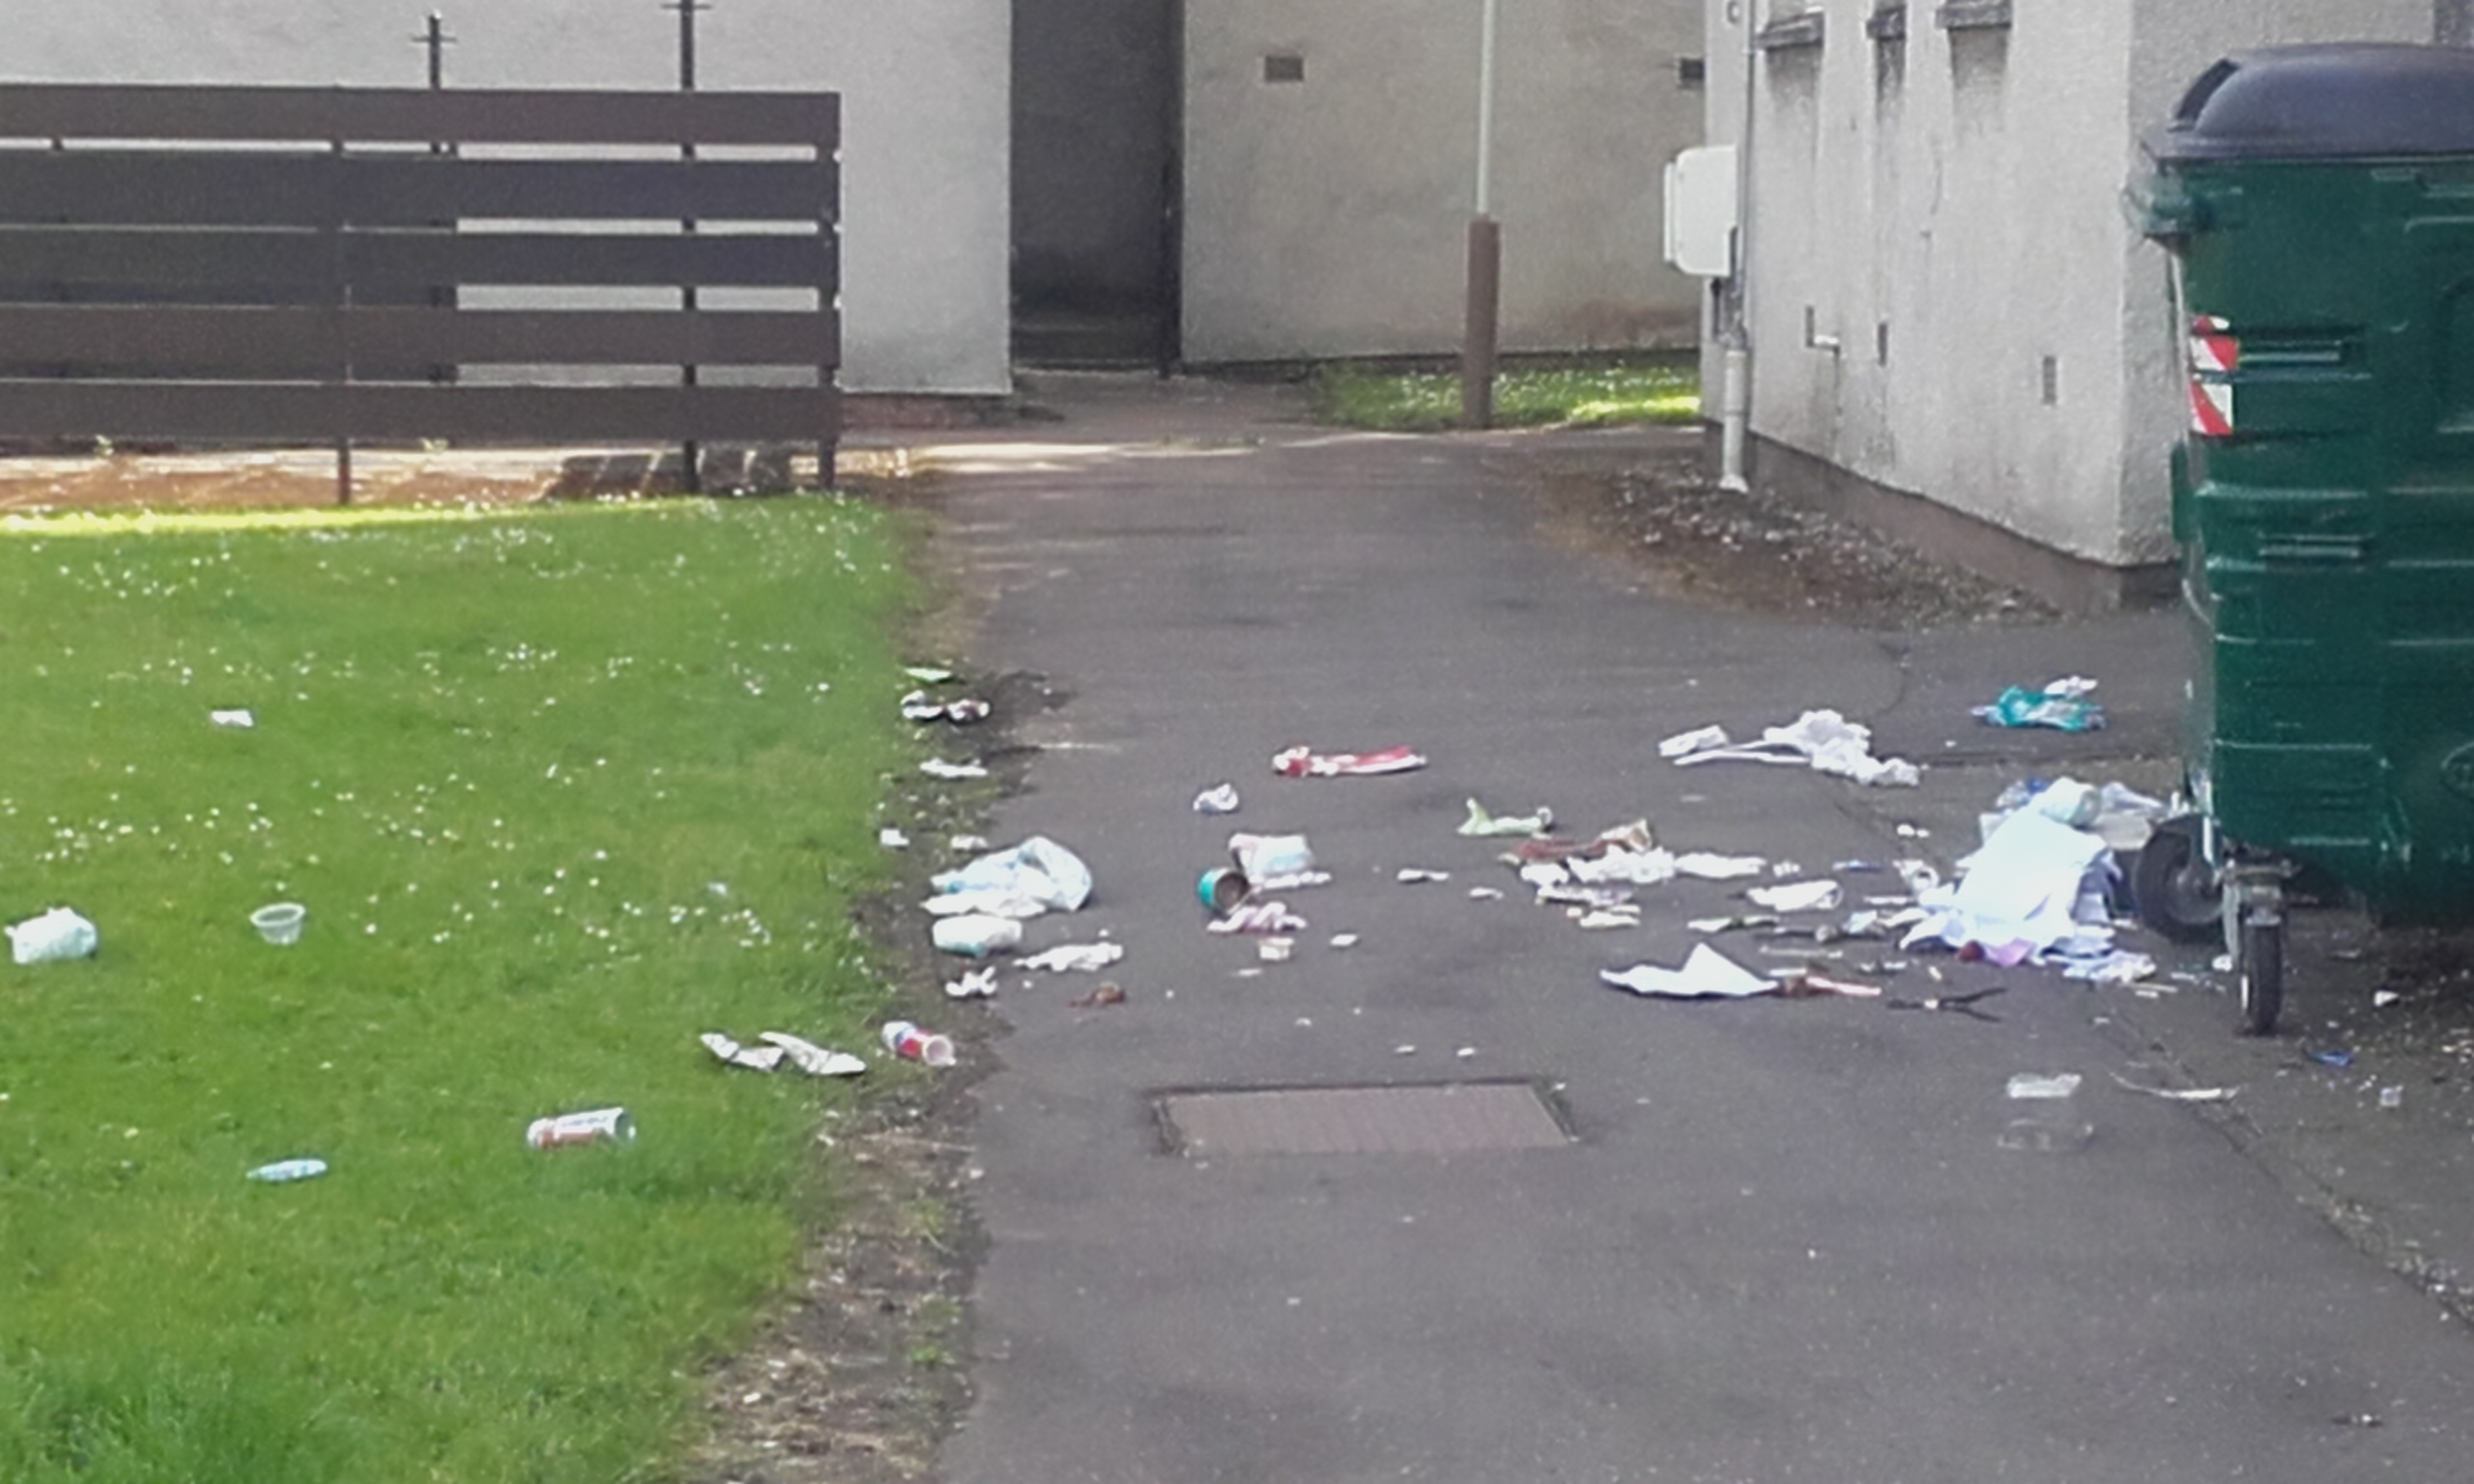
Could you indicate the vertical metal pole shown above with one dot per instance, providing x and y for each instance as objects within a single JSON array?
[
  {"x": 339, "y": 267},
  {"x": 1481, "y": 310},
  {"x": 691, "y": 455}
]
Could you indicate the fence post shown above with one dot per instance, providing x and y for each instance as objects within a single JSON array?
[{"x": 691, "y": 455}]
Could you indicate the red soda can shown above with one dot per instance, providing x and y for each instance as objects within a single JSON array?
[{"x": 599, "y": 1126}]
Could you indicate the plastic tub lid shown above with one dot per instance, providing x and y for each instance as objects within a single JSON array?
[{"x": 2354, "y": 101}]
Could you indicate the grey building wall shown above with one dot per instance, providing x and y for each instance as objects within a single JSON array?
[
  {"x": 1328, "y": 216},
  {"x": 1945, "y": 294},
  {"x": 924, "y": 118}
]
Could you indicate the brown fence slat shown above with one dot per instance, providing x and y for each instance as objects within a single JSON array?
[
  {"x": 239, "y": 257},
  {"x": 282, "y": 342},
  {"x": 277, "y": 412},
  {"x": 414, "y": 115},
  {"x": 146, "y": 189}
]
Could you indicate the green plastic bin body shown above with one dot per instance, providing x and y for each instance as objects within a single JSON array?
[{"x": 2320, "y": 206}]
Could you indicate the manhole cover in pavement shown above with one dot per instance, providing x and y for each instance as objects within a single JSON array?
[{"x": 1442, "y": 1117}]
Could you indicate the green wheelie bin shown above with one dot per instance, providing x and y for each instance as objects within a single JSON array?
[{"x": 2318, "y": 205}]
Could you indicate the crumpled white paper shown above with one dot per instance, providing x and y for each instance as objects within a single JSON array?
[
  {"x": 1706, "y": 974},
  {"x": 1039, "y": 867},
  {"x": 1823, "y": 741},
  {"x": 1074, "y": 957}
]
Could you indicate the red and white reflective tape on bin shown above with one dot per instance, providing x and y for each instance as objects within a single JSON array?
[{"x": 2215, "y": 353}]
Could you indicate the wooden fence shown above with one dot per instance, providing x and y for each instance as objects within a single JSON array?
[{"x": 325, "y": 264}]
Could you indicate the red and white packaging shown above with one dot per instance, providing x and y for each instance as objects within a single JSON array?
[
  {"x": 596, "y": 1125},
  {"x": 913, "y": 1044}
]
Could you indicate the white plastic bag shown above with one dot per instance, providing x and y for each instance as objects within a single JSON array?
[
  {"x": 976, "y": 934},
  {"x": 1038, "y": 867},
  {"x": 58, "y": 934}
]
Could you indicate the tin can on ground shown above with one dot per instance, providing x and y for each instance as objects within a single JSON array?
[
  {"x": 598, "y": 1125},
  {"x": 913, "y": 1044},
  {"x": 1222, "y": 888}
]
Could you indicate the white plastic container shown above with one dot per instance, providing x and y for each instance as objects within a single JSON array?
[{"x": 280, "y": 922}]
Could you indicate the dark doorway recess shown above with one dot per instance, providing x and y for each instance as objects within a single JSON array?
[{"x": 1097, "y": 113}]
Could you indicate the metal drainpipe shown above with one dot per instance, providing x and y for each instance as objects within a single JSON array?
[{"x": 1734, "y": 385}]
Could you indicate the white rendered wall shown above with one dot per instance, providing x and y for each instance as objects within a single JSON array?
[
  {"x": 924, "y": 234},
  {"x": 1948, "y": 211},
  {"x": 1328, "y": 216}
]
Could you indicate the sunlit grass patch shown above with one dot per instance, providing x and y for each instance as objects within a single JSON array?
[
  {"x": 1401, "y": 402},
  {"x": 560, "y": 788}
]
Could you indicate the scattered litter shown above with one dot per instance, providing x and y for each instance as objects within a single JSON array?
[
  {"x": 1707, "y": 925},
  {"x": 2119, "y": 966},
  {"x": 1482, "y": 824},
  {"x": 939, "y": 767},
  {"x": 2047, "y": 1121},
  {"x": 1823, "y": 741},
  {"x": 1709, "y": 866},
  {"x": 1275, "y": 950},
  {"x": 2382, "y": 999},
  {"x": 1967, "y": 1005},
  {"x": 280, "y": 922},
  {"x": 1621, "y": 860},
  {"x": 2222, "y": 963},
  {"x": 730, "y": 1053},
  {"x": 1274, "y": 862},
  {"x": 1218, "y": 799},
  {"x": 1416, "y": 874},
  {"x": 285, "y": 1171},
  {"x": 920, "y": 706},
  {"x": 976, "y": 934},
  {"x": 1222, "y": 888},
  {"x": 1485, "y": 894},
  {"x": 928, "y": 675},
  {"x": 1804, "y": 984},
  {"x": 598, "y": 1125},
  {"x": 975, "y": 984},
  {"x": 893, "y": 839},
  {"x": 987, "y": 902},
  {"x": 1405, "y": 1050},
  {"x": 2032, "y": 1086},
  {"x": 1700, "y": 739},
  {"x": 2392, "y": 1097},
  {"x": 237, "y": 717},
  {"x": 1600, "y": 919},
  {"x": 813, "y": 1059},
  {"x": 2036, "y": 885},
  {"x": 1106, "y": 993},
  {"x": 2177, "y": 1094},
  {"x": 913, "y": 1044},
  {"x": 1305, "y": 762},
  {"x": 1076, "y": 958},
  {"x": 1466, "y": 1053},
  {"x": 1705, "y": 973},
  {"x": 56, "y": 935},
  {"x": 966, "y": 843},
  {"x": 2334, "y": 1056},
  {"x": 1039, "y": 867},
  {"x": 1258, "y": 917},
  {"x": 2063, "y": 706},
  {"x": 1820, "y": 896},
  {"x": 1344, "y": 940}
]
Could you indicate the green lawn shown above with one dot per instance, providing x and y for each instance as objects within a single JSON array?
[
  {"x": 1418, "y": 401},
  {"x": 560, "y": 788}
]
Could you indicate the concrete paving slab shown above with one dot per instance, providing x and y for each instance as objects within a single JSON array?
[{"x": 1787, "y": 1241}]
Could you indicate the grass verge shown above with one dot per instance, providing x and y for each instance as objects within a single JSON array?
[
  {"x": 1421, "y": 401},
  {"x": 560, "y": 788}
]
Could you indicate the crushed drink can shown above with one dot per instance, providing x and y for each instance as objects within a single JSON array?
[
  {"x": 598, "y": 1125},
  {"x": 1223, "y": 888},
  {"x": 913, "y": 1044}
]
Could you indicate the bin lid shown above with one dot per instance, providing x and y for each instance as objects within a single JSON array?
[{"x": 2353, "y": 100}]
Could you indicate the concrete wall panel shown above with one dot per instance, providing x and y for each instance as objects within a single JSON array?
[
  {"x": 1946, "y": 296},
  {"x": 1327, "y": 217}
]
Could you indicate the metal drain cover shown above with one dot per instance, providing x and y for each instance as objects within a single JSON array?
[{"x": 1444, "y": 1118}]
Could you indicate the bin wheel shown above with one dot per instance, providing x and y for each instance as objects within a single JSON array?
[
  {"x": 2262, "y": 976},
  {"x": 2174, "y": 888}
]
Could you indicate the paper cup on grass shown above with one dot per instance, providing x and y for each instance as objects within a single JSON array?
[{"x": 280, "y": 922}]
